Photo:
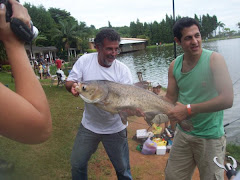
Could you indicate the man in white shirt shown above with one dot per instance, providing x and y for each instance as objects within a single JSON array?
[{"x": 98, "y": 125}]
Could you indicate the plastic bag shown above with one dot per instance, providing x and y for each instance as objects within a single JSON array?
[{"x": 149, "y": 147}]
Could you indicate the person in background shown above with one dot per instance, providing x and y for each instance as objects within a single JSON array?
[
  {"x": 200, "y": 85},
  {"x": 47, "y": 58},
  {"x": 24, "y": 114},
  {"x": 48, "y": 74},
  {"x": 40, "y": 67},
  {"x": 98, "y": 125},
  {"x": 35, "y": 67},
  {"x": 41, "y": 59},
  {"x": 63, "y": 76},
  {"x": 58, "y": 63}
]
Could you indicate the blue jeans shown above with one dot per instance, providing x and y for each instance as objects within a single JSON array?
[{"x": 86, "y": 143}]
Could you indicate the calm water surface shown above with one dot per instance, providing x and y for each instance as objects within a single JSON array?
[{"x": 154, "y": 64}]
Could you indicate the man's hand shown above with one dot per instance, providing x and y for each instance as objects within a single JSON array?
[
  {"x": 73, "y": 90},
  {"x": 178, "y": 113}
]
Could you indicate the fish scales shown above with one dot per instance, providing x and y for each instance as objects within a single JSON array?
[
  {"x": 117, "y": 98},
  {"x": 121, "y": 96}
]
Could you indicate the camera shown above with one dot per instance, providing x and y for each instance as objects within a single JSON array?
[{"x": 20, "y": 29}]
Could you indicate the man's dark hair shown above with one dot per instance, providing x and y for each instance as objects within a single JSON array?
[
  {"x": 107, "y": 33},
  {"x": 183, "y": 23}
]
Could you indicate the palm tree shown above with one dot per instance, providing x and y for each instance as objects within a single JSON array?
[
  {"x": 40, "y": 37},
  {"x": 67, "y": 34},
  {"x": 220, "y": 25}
]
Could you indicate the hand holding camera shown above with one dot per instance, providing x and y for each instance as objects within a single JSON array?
[{"x": 21, "y": 30}]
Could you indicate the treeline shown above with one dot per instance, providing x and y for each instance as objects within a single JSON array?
[
  {"x": 58, "y": 28},
  {"x": 162, "y": 32}
]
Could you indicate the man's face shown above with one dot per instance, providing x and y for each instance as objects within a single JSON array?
[
  {"x": 191, "y": 40},
  {"x": 107, "y": 52}
]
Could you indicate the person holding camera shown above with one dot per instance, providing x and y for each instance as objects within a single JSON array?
[{"x": 24, "y": 114}]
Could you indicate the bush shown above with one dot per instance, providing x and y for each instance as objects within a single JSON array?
[
  {"x": 6, "y": 68},
  {"x": 91, "y": 50},
  {"x": 53, "y": 70}
]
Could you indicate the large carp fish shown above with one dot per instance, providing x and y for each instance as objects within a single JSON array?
[{"x": 117, "y": 98}]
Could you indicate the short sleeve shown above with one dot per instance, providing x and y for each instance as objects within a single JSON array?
[{"x": 76, "y": 72}]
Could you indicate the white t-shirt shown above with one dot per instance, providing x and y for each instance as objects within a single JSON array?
[
  {"x": 87, "y": 68},
  {"x": 62, "y": 73}
]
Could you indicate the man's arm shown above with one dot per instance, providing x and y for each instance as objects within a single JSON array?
[
  {"x": 172, "y": 97},
  {"x": 172, "y": 89},
  {"x": 223, "y": 86}
]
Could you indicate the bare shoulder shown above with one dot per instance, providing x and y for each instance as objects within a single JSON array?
[
  {"x": 216, "y": 57},
  {"x": 220, "y": 71},
  {"x": 217, "y": 61},
  {"x": 172, "y": 63}
]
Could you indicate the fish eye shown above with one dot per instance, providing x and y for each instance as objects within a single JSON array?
[{"x": 84, "y": 88}]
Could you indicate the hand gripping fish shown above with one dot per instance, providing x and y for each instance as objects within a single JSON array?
[{"x": 120, "y": 98}]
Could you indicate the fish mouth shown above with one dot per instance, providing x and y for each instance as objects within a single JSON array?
[{"x": 88, "y": 100}]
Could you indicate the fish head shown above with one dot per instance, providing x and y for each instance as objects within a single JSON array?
[{"x": 92, "y": 91}]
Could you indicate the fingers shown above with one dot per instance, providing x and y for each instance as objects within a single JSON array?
[
  {"x": 20, "y": 12},
  {"x": 2, "y": 13},
  {"x": 139, "y": 113},
  {"x": 2, "y": 16},
  {"x": 73, "y": 90},
  {"x": 5, "y": 31}
]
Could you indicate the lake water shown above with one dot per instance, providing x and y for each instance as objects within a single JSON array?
[{"x": 154, "y": 64}]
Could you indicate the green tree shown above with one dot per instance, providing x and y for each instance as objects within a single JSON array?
[
  {"x": 209, "y": 24},
  {"x": 221, "y": 25},
  {"x": 133, "y": 29},
  {"x": 123, "y": 31},
  {"x": 83, "y": 33},
  {"x": 67, "y": 34},
  {"x": 43, "y": 21},
  {"x": 109, "y": 24},
  {"x": 61, "y": 15}
]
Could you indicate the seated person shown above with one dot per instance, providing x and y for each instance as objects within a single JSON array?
[{"x": 63, "y": 77}]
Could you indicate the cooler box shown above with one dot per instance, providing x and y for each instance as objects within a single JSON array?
[
  {"x": 161, "y": 150},
  {"x": 141, "y": 133}
]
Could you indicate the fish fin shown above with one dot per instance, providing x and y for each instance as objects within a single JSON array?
[
  {"x": 149, "y": 116},
  {"x": 123, "y": 115},
  {"x": 160, "y": 118},
  {"x": 104, "y": 103}
]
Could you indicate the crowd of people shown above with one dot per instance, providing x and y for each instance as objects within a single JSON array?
[
  {"x": 41, "y": 66},
  {"x": 198, "y": 83}
]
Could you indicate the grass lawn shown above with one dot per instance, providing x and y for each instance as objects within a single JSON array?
[{"x": 51, "y": 160}]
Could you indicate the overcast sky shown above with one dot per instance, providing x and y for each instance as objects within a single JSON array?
[{"x": 122, "y": 12}]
